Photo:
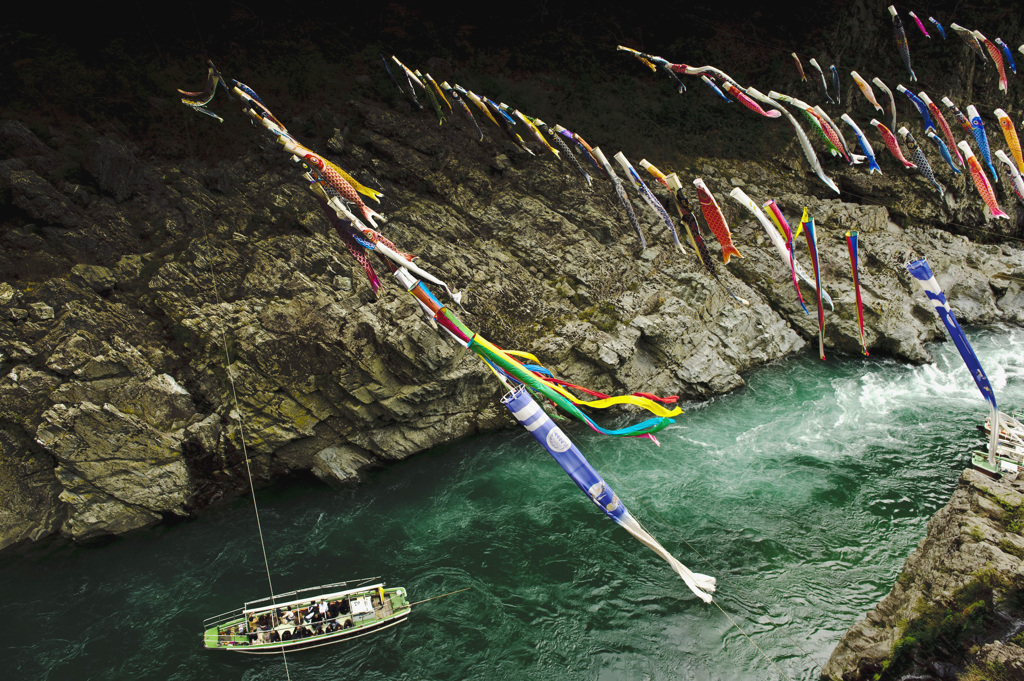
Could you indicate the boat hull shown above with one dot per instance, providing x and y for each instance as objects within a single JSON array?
[
  {"x": 315, "y": 641},
  {"x": 352, "y": 613}
]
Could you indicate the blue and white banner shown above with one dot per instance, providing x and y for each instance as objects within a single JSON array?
[
  {"x": 920, "y": 270},
  {"x": 530, "y": 415}
]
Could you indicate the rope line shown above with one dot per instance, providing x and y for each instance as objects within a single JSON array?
[
  {"x": 450, "y": 593},
  {"x": 237, "y": 409}
]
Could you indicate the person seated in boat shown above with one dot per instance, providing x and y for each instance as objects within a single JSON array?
[
  {"x": 348, "y": 624},
  {"x": 286, "y": 635},
  {"x": 323, "y": 608},
  {"x": 288, "y": 616},
  {"x": 309, "y": 613},
  {"x": 263, "y": 623},
  {"x": 344, "y": 608},
  {"x": 319, "y": 630},
  {"x": 333, "y": 609},
  {"x": 332, "y": 625},
  {"x": 274, "y": 636}
]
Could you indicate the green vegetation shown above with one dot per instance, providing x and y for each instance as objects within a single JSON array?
[
  {"x": 604, "y": 316},
  {"x": 947, "y": 630},
  {"x": 1009, "y": 547}
]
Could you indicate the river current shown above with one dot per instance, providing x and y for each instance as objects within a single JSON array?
[{"x": 802, "y": 493}]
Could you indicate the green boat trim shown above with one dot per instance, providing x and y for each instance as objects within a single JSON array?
[{"x": 296, "y": 620}]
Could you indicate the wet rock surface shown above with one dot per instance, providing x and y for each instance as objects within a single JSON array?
[
  {"x": 142, "y": 302},
  {"x": 974, "y": 539}
]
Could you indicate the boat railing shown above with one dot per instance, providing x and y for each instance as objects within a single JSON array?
[
  {"x": 283, "y": 597},
  {"x": 344, "y": 621}
]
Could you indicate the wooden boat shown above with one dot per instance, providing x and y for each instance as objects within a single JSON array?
[{"x": 329, "y": 613}]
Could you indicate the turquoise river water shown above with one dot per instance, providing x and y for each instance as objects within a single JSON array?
[{"x": 803, "y": 493}]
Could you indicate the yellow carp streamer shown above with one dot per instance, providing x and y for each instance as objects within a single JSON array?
[
  {"x": 364, "y": 190},
  {"x": 635, "y": 400}
]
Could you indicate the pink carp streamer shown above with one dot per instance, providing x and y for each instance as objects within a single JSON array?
[
  {"x": 851, "y": 245},
  {"x": 891, "y": 143},
  {"x": 997, "y": 57}
]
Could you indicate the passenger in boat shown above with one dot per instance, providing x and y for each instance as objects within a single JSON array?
[
  {"x": 275, "y": 637},
  {"x": 323, "y": 608},
  {"x": 310, "y": 613},
  {"x": 286, "y": 635},
  {"x": 333, "y": 609},
  {"x": 344, "y": 607},
  {"x": 319, "y": 630}
]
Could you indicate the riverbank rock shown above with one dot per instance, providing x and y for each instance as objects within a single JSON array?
[
  {"x": 954, "y": 612},
  {"x": 161, "y": 321}
]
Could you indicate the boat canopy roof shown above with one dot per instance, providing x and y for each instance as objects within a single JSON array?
[{"x": 267, "y": 604}]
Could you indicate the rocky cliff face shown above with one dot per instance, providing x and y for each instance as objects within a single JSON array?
[
  {"x": 153, "y": 312},
  {"x": 954, "y": 613}
]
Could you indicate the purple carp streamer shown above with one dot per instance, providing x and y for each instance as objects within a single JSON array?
[
  {"x": 901, "y": 41},
  {"x": 411, "y": 80}
]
